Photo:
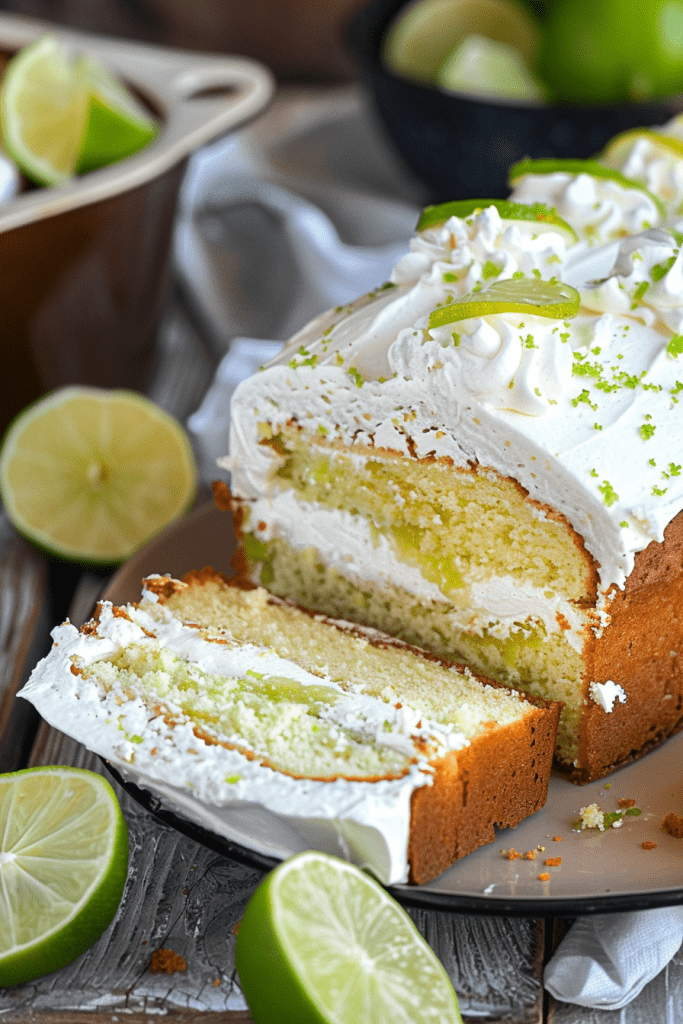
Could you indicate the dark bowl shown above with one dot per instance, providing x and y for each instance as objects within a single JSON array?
[{"x": 461, "y": 147}]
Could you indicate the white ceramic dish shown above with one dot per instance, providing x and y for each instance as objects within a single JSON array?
[{"x": 600, "y": 871}]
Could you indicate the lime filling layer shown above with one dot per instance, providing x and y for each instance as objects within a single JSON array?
[
  {"x": 458, "y": 527},
  {"x": 522, "y": 653}
]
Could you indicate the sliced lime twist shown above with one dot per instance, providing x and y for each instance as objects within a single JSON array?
[
  {"x": 568, "y": 165},
  {"x": 552, "y": 299},
  {"x": 538, "y": 213},
  {"x": 63, "y": 866},
  {"x": 91, "y": 474},
  {"x": 615, "y": 150},
  {"x": 323, "y": 943}
]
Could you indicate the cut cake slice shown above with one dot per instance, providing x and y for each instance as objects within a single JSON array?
[{"x": 228, "y": 701}]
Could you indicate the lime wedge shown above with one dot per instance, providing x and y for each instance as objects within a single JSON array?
[
  {"x": 553, "y": 299},
  {"x": 617, "y": 149},
  {"x": 91, "y": 474},
  {"x": 571, "y": 166},
  {"x": 322, "y": 943},
  {"x": 63, "y": 865},
  {"x": 425, "y": 33},
  {"x": 62, "y": 116},
  {"x": 44, "y": 106},
  {"x": 116, "y": 125},
  {"x": 486, "y": 67},
  {"x": 541, "y": 215}
]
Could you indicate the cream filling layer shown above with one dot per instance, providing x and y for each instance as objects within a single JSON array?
[
  {"x": 222, "y": 789},
  {"x": 346, "y": 543}
]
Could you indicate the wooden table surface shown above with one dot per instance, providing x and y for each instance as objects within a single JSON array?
[{"x": 185, "y": 898}]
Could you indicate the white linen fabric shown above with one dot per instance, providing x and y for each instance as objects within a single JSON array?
[{"x": 604, "y": 961}]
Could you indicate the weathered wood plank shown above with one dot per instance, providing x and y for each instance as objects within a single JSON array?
[{"x": 23, "y": 637}]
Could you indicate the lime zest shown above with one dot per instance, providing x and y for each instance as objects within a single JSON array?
[
  {"x": 569, "y": 165},
  {"x": 551, "y": 299},
  {"x": 539, "y": 213}
]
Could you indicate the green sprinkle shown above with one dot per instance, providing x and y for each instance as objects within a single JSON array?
[
  {"x": 594, "y": 472},
  {"x": 659, "y": 491},
  {"x": 609, "y": 495},
  {"x": 490, "y": 270},
  {"x": 647, "y": 431},
  {"x": 358, "y": 380},
  {"x": 624, "y": 523},
  {"x": 674, "y": 470},
  {"x": 675, "y": 346},
  {"x": 660, "y": 269},
  {"x": 456, "y": 338},
  {"x": 232, "y": 779},
  {"x": 450, "y": 276}
]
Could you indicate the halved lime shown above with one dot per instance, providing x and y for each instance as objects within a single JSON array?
[
  {"x": 91, "y": 474},
  {"x": 544, "y": 216},
  {"x": 323, "y": 943},
  {"x": 424, "y": 33},
  {"x": 617, "y": 149},
  {"x": 552, "y": 165},
  {"x": 62, "y": 116},
  {"x": 552, "y": 299},
  {"x": 117, "y": 125},
  {"x": 481, "y": 66},
  {"x": 44, "y": 106},
  {"x": 63, "y": 865}
]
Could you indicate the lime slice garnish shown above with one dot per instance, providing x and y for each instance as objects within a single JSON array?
[
  {"x": 44, "y": 106},
  {"x": 92, "y": 474},
  {"x": 322, "y": 943},
  {"x": 63, "y": 865},
  {"x": 116, "y": 125},
  {"x": 544, "y": 216},
  {"x": 553, "y": 299},
  {"x": 62, "y": 116},
  {"x": 571, "y": 166},
  {"x": 617, "y": 148},
  {"x": 424, "y": 34},
  {"x": 481, "y": 66}
]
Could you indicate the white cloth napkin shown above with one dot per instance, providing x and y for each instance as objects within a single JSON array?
[
  {"x": 605, "y": 960},
  {"x": 275, "y": 226}
]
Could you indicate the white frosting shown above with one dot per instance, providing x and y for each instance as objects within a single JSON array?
[
  {"x": 599, "y": 209},
  {"x": 606, "y": 694},
  {"x": 223, "y": 789},
  {"x": 570, "y": 409}
]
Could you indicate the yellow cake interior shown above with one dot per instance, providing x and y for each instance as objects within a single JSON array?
[{"x": 462, "y": 528}]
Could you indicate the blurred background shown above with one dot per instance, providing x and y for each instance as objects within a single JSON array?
[{"x": 310, "y": 47}]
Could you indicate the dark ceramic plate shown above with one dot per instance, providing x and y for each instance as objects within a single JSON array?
[{"x": 600, "y": 872}]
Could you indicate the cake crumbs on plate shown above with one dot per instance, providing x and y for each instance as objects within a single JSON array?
[
  {"x": 544, "y": 877},
  {"x": 557, "y": 839},
  {"x": 553, "y": 862},
  {"x": 165, "y": 961},
  {"x": 673, "y": 824},
  {"x": 513, "y": 854},
  {"x": 626, "y": 802},
  {"x": 649, "y": 846}
]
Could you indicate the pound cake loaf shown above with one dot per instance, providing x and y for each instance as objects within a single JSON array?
[
  {"x": 483, "y": 458},
  {"x": 252, "y": 716}
]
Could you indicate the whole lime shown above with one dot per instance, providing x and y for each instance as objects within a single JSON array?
[{"x": 611, "y": 51}]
